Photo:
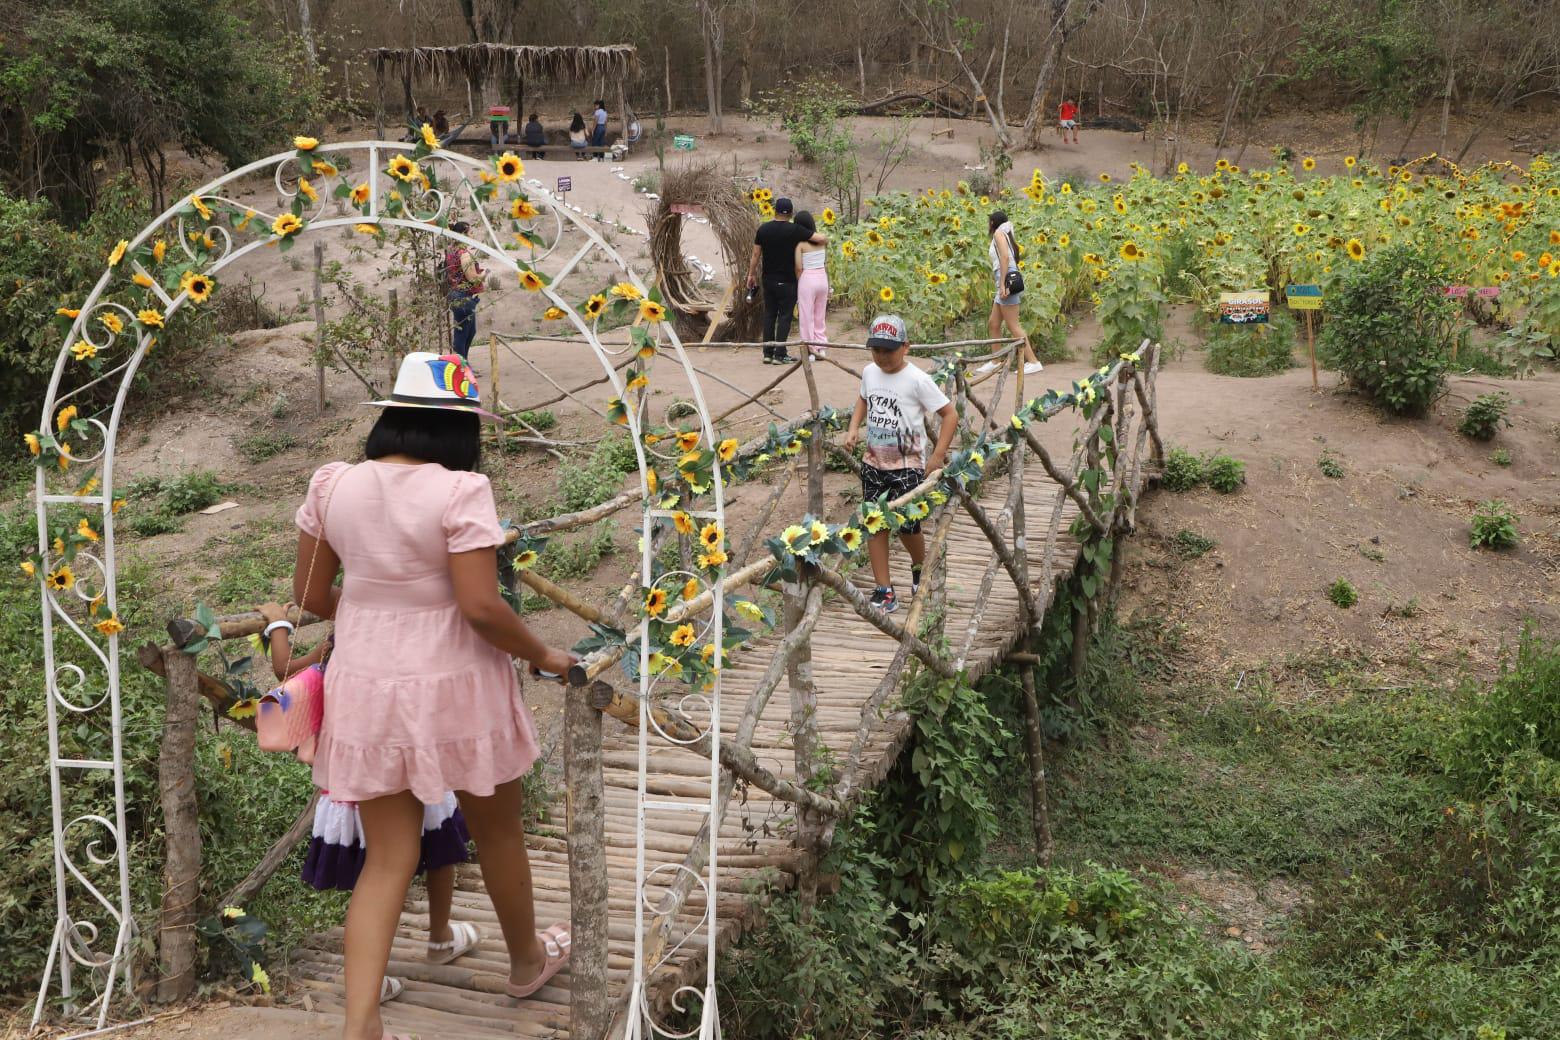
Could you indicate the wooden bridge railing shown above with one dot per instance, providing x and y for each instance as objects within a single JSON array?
[{"x": 1113, "y": 454}]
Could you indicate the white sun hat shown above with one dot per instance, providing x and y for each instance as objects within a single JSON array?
[{"x": 441, "y": 381}]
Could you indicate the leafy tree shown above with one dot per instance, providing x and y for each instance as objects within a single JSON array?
[{"x": 120, "y": 80}]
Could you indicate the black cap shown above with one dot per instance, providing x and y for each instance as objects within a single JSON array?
[{"x": 783, "y": 205}]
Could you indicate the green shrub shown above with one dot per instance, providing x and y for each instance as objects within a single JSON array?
[
  {"x": 1224, "y": 473},
  {"x": 538, "y": 420},
  {"x": 1189, "y": 545},
  {"x": 1183, "y": 470},
  {"x": 1328, "y": 463},
  {"x": 1251, "y": 350},
  {"x": 579, "y": 558},
  {"x": 1343, "y": 594},
  {"x": 1484, "y": 417},
  {"x": 590, "y": 481},
  {"x": 261, "y": 446},
  {"x": 189, "y": 492},
  {"x": 1519, "y": 713},
  {"x": 1390, "y": 329},
  {"x": 1494, "y": 526},
  {"x": 1501, "y": 457}
]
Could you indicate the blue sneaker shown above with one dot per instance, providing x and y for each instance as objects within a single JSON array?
[{"x": 883, "y": 599}]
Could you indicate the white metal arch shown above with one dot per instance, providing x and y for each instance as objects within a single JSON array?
[{"x": 83, "y": 910}]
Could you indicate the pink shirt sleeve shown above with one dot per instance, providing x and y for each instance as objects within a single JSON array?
[
  {"x": 470, "y": 517},
  {"x": 312, "y": 514}
]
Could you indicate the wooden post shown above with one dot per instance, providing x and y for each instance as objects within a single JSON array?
[
  {"x": 379, "y": 103},
  {"x": 589, "y": 1010},
  {"x": 181, "y": 824},
  {"x": 493, "y": 363},
  {"x": 319, "y": 329},
  {"x": 623, "y": 111},
  {"x": 1310, "y": 342},
  {"x": 815, "y": 442},
  {"x": 395, "y": 362}
]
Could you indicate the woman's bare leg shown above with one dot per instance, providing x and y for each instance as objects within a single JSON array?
[
  {"x": 496, "y": 827},
  {"x": 441, "y": 894},
  {"x": 392, "y": 827},
  {"x": 1015, "y": 327}
]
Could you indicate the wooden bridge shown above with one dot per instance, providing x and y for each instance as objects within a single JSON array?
[{"x": 996, "y": 559}]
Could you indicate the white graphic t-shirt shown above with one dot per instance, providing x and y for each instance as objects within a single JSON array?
[{"x": 897, "y": 403}]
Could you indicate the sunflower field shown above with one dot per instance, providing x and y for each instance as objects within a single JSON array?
[{"x": 1127, "y": 248}]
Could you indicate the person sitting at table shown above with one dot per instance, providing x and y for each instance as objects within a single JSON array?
[
  {"x": 534, "y": 138},
  {"x": 577, "y": 139}
]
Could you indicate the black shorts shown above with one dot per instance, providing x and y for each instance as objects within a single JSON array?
[{"x": 893, "y": 482}]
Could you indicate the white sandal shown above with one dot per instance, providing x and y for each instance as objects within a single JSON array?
[
  {"x": 389, "y": 989},
  {"x": 466, "y": 937}
]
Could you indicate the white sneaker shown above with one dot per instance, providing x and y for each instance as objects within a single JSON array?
[
  {"x": 1033, "y": 367},
  {"x": 990, "y": 366}
]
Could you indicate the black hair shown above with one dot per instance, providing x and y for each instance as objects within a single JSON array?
[
  {"x": 534, "y": 117},
  {"x": 997, "y": 219},
  {"x": 804, "y": 219},
  {"x": 578, "y": 123},
  {"x": 460, "y": 227},
  {"x": 449, "y": 436}
]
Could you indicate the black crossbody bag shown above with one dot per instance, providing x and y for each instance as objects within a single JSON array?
[{"x": 1014, "y": 282}]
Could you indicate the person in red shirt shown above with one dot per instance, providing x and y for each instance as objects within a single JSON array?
[{"x": 1069, "y": 120}]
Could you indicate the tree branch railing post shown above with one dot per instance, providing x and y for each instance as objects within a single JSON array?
[
  {"x": 590, "y": 1013},
  {"x": 176, "y": 941}
]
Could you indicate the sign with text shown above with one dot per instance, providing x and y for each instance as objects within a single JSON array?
[
  {"x": 565, "y": 184},
  {"x": 1244, "y": 308},
  {"x": 1303, "y": 297},
  {"x": 1486, "y": 292}
]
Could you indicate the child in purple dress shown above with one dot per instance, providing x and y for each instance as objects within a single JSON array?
[{"x": 336, "y": 853}]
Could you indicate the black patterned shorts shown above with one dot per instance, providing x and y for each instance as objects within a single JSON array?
[{"x": 894, "y": 482}]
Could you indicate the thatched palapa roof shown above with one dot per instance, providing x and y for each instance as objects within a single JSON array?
[{"x": 490, "y": 60}]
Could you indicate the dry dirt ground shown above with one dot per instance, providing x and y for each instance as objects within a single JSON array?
[{"x": 1395, "y": 525}]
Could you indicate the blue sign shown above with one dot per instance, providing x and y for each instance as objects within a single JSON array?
[{"x": 565, "y": 184}]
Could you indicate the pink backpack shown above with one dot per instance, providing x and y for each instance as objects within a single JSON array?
[{"x": 290, "y": 715}]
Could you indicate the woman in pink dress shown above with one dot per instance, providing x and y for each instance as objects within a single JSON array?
[
  {"x": 421, "y": 695},
  {"x": 812, "y": 288}
]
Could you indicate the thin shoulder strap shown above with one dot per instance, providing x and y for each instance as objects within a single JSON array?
[{"x": 308, "y": 577}]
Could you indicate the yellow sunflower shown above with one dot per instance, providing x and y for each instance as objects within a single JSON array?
[
  {"x": 1349, "y": 161},
  {"x": 713, "y": 558},
  {"x": 60, "y": 579},
  {"x": 595, "y": 305},
  {"x": 159, "y": 250},
  {"x": 682, "y": 636},
  {"x": 1308, "y": 163},
  {"x": 690, "y": 589},
  {"x": 359, "y": 194},
  {"x": 682, "y": 523},
  {"x": 402, "y": 168},
  {"x": 307, "y": 190},
  {"x": 305, "y": 144},
  {"x": 530, "y": 281},
  {"x": 936, "y": 278},
  {"x": 688, "y": 440},
  {"x": 366, "y": 229},
  {"x": 727, "y": 449},
  {"x": 710, "y": 536},
  {"x": 1301, "y": 230},
  {"x": 850, "y": 538},
  {"x": 828, "y": 217},
  {"x": 1104, "y": 178},
  {"x": 1064, "y": 240},
  {"x": 33, "y": 444},
  {"x": 1355, "y": 249},
  {"x": 324, "y": 168},
  {"x": 144, "y": 281},
  {"x": 1130, "y": 251},
  {"x": 118, "y": 252},
  {"x": 655, "y": 602},
  {"x": 152, "y": 319},
  {"x": 286, "y": 224},
  {"x": 522, "y": 209},
  {"x": 509, "y": 167},
  {"x": 553, "y": 314},
  {"x": 197, "y": 287},
  {"x": 651, "y": 311},
  {"x": 886, "y": 294}
]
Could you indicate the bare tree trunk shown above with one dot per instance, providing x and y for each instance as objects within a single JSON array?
[
  {"x": 1034, "y": 744},
  {"x": 1446, "y": 104},
  {"x": 181, "y": 825},
  {"x": 709, "y": 24},
  {"x": 306, "y": 30},
  {"x": 861, "y": 71}
]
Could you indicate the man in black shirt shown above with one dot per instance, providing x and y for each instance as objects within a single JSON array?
[{"x": 774, "y": 250}]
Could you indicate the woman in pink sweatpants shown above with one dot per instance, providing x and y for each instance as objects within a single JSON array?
[{"x": 812, "y": 287}]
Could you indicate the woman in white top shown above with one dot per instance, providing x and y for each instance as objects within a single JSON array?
[
  {"x": 812, "y": 287},
  {"x": 1005, "y": 305}
]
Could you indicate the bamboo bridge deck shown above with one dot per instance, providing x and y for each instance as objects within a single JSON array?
[{"x": 466, "y": 999}]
